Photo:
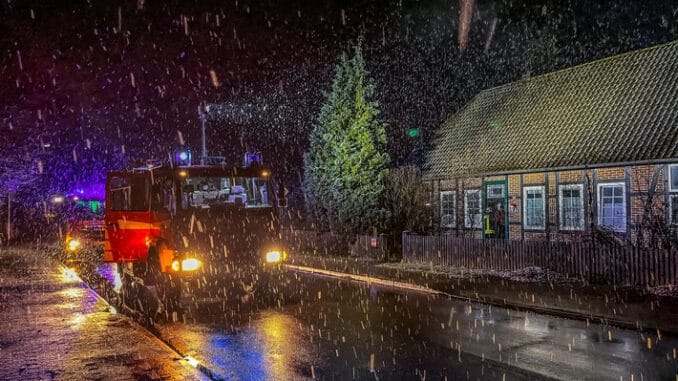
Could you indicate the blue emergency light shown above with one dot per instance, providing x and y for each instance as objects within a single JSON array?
[
  {"x": 183, "y": 157},
  {"x": 253, "y": 158}
]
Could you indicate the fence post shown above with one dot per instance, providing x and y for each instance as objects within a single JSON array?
[
  {"x": 383, "y": 247},
  {"x": 403, "y": 245}
]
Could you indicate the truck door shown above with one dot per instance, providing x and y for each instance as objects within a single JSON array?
[
  {"x": 128, "y": 217},
  {"x": 163, "y": 209}
]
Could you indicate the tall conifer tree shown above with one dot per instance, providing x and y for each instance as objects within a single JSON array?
[{"x": 346, "y": 162}]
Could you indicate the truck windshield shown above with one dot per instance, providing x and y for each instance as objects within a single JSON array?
[{"x": 205, "y": 192}]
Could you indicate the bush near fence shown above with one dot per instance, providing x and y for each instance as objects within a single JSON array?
[
  {"x": 615, "y": 265},
  {"x": 308, "y": 241}
]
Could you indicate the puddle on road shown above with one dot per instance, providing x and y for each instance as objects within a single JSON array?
[{"x": 271, "y": 347}]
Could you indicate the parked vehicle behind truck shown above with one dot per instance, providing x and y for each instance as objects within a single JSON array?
[{"x": 82, "y": 219}]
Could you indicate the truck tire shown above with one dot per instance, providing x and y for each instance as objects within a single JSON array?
[
  {"x": 127, "y": 288},
  {"x": 168, "y": 286}
]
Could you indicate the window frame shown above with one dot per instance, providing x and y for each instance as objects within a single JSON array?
[
  {"x": 501, "y": 186},
  {"x": 670, "y": 171},
  {"x": 129, "y": 193},
  {"x": 480, "y": 209},
  {"x": 160, "y": 202},
  {"x": 250, "y": 192},
  {"x": 600, "y": 205},
  {"x": 453, "y": 209},
  {"x": 671, "y": 194},
  {"x": 582, "y": 221},
  {"x": 541, "y": 188}
]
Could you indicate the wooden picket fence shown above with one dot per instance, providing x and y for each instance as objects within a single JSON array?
[{"x": 615, "y": 265}]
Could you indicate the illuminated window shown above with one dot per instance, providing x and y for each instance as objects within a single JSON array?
[{"x": 612, "y": 206}]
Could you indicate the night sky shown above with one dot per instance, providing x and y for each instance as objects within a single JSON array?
[{"x": 88, "y": 86}]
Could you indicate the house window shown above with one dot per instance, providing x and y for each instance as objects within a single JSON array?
[
  {"x": 495, "y": 191},
  {"x": 673, "y": 195},
  {"x": 673, "y": 178},
  {"x": 612, "y": 206},
  {"x": 447, "y": 209},
  {"x": 472, "y": 209},
  {"x": 673, "y": 211},
  {"x": 534, "y": 207},
  {"x": 572, "y": 207}
]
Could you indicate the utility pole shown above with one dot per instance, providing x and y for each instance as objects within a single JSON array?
[
  {"x": 9, "y": 217},
  {"x": 203, "y": 139}
]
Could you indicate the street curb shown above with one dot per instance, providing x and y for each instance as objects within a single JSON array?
[
  {"x": 556, "y": 312},
  {"x": 367, "y": 279},
  {"x": 148, "y": 331}
]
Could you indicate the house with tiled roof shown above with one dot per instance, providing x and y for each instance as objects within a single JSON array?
[{"x": 556, "y": 155}]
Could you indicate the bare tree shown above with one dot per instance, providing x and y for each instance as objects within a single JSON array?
[
  {"x": 653, "y": 229},
  {"x": 405, "y": 198}
]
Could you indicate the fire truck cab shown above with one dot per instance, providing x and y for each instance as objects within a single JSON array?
[{"x": 189, "y": 229}]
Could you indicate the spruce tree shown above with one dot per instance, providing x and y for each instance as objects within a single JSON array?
[{"x": 346, "y": 162}]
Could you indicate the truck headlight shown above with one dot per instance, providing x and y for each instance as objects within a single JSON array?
[
  {"x": 274, "y": 256},
  {"x": 73, "y": 244},
  {"x": 188, "y": 264}
]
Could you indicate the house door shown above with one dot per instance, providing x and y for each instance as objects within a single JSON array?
[{"x": 495, "y": 218}]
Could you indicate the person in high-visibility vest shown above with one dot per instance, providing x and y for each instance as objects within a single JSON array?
[{"x": 489, "y": 231}]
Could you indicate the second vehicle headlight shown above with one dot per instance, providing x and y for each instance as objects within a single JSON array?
[{"x": 73, "y": 244}]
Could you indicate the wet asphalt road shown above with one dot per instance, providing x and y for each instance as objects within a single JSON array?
[{"x": 301, "y": 326}]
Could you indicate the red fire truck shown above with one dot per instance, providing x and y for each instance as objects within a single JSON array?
[{"x": 192, "y": 229}]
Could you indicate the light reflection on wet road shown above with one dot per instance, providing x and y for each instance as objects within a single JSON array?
[{"x": 303, "y": 327}]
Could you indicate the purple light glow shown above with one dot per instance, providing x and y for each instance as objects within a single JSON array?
[{"x": 94, "y": 191}]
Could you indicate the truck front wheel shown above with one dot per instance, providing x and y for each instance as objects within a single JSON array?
[{"x": 168, "y": 286}]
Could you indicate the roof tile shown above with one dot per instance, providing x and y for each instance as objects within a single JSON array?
[{"x": 619, "y": 109}]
